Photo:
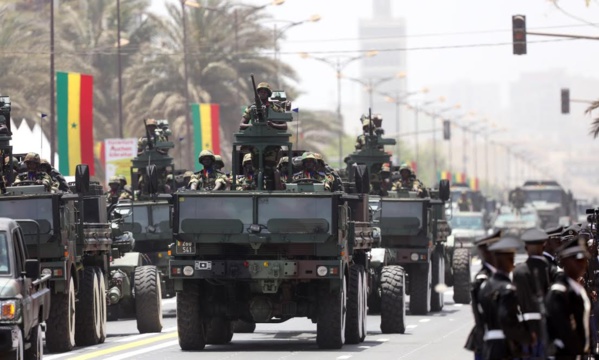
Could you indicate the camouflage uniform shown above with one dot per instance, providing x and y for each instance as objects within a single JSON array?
[
  {"x": 208, "y": 178},
  {"x": 8, "y": 169},
  {"x": 361, "y": 139},
  {"x": 219, "y": 164},
  {"x": 142, "y": 142},
  {"x": 247, "y": 181},
  {"x": 312, "y": 173},
  {"x": 39, "y": 177},
  {"x": 283, "y": 167},
  {"x": 331, "y": 175},
  {"x": 123, "y": 181},
  {"x": 382, "y": 187},
  {"x": 464, "y": 204},
  {"x": 246, "y": 118},
  {"x": 58, "y": 181},
  {"x": 410, "y": 183},
  {"x": 116, "y": 193}
]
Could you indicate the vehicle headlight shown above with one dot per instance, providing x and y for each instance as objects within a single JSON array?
[
  {"x": 47, "y": 271},
  {"x": 188, "y": 270},
  {"x": 322, "y": 270},
  {"x": 9, "y": 310}
]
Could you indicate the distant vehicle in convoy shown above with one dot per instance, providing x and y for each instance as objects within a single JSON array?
[
  {"x": 24, "y": 299},
  {"x": 516, "y": 223},
  {"x": 476, "y": 197},
  {"x": 554, "y": 205},
  {"x": 466, "y": 227}
]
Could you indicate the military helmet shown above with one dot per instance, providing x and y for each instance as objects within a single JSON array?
[
  {"x": 308, "y": 155},
  {"x": 405, "y": 167},
  {"x": 319, "y": 158},
  {"x": 264, "y": 85},
  {"x": 188, "y": 173},
  {"x": 219, "y": 160},
  {"x": 206, "y": 153},
  {"x": 284, "y": 160},
  {"x": 247, "y": 158},
  {"x": 32, "y": 157},
  {"x": 123, "y": 179},
  {"x": 151, "y": 122},
  {"x": 45, "y": 163},
  {"x": 365, "y": 123},
  {"x": 113, "y": 180}
]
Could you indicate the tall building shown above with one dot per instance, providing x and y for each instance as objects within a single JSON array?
[{"x": 385, "y": 33}]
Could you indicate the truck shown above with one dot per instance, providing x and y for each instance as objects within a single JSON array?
[
  {"x": 25, "y": 296},
  {"x": 70, "y": 236},
  {"x": 267, "y": 255},
  {"x": 554, "y": 204}
]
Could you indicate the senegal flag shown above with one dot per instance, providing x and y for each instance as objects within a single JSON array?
[
  {"x": 74, "y": 111},
  {"x": 206, "y": 128}
]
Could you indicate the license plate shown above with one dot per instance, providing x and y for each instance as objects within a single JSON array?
[
  {"x": 185, "y": 248},
  {"x": 203, "y": 265}
]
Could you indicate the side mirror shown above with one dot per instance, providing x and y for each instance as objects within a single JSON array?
[
  {"x": 444, "y": 192},
  {"x": 152, "y": 176},
  {"x": 32, "y": 268},
  {"x": 82, "y": 179}
]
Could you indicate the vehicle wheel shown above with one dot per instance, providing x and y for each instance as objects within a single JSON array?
[
  {"x": 36, "y": 351},
  {"x": 354, "y": 315},
  {"x": 60, "y": 326},
  {"x": 148, "y": 299},
  {"x": 219, "y": 331},
  {"x": 393, "y": 300},
  {"x": 102, "y": 302},
  {"x": 448, "y": 269},
  {"x": 374, "y": 297},
  {"x": 461, "y": 270},
  {"x": 330, "y": 328},
  {"x": 191, "y": 325},
  {"x": 243, "y": 327},
  {"x": 420, "y": 289},
  {"x": 87, "y": 324},
  {"x": 365, "y": 306},
  {"x": 19, "y": 353},
  {"x": 437, "y": 277}
]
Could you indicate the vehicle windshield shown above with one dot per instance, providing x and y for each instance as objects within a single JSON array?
[
  {"x": 511, "y": 218},
  {"x": 467, "y": 222},
  {"x": 295, "y": 215},
  {"x": 550, "y": 196},
  {"x": 39, "y": 210},
  {"x": 4, "y": 259}
]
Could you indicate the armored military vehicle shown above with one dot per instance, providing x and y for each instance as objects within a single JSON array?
[
  {"x": 554, "y": 205},
  {"x": 387, "y": 280},
  {"x": 25, "y": 297},
  {"x": 266, "y": 256}
]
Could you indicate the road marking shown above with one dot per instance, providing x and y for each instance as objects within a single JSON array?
[
  {"x": 364, "y": 347},
  {"x": 127, "y": 346},
  {"x": 134, "y": 337},
  {"x": 143, "y": 351},
  {"x": 382, "y": 340},
  {"x": 424, "y": 320},
  {"x": 458, "y": 305},
  {"x": 171, "y": 301},
  {"x": 411, "y": 326},
  {"x": 343, "y": 357}
]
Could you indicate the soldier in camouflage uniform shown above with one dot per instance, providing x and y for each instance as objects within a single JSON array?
[
  {"x": 247, "y": 181},
  {"x": 32, "y": 161},
  {"x": 123, "y": 181},
  {"x": 8, "y": 169},
  {"x": 264, "y": 92},
  {"x": 58, "y": 181},
  {"x": 142, "y": 143},
  {"x": 382, "y": 188},
  {"x": 219, "y": 164},
  {"x": 361, "y": 139},
  {"x": 408, "y": 181},
  {"x": 207, "y": 178},
  {"x": 116, "y": 193},
  {"x": 309, "y": 164},
  {"x": 332, "y": 176}
]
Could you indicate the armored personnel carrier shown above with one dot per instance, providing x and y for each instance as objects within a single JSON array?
[{"x": 266, "y": 255}]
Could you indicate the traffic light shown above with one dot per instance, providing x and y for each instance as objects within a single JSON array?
[
  {"x": 565, "y": 101},
  {"x": 519, "y": 34},
  {"x": 446, "y": 130}
]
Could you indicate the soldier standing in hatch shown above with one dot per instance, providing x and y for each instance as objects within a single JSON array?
[
  {"x": 532, "y": 281},
  {"x": 32, "y": 162},
  {"x": 207, "y": 178},
  {"x": 505, "y": 335},
  {"x": 475, "y": 339},
  {"x": 124, "y": 187},
  {"x": 310, "y": 172},
  {"x": 409, "y": 181},
  {"x": 361, "y": 139},
  {"x": 247, "y": 181},
  {"x": 264, "y": 92},
  {"x": 142, "y": 143},
  {"x": 116, "y": 193},
  {"x": 464, "y": 203}
]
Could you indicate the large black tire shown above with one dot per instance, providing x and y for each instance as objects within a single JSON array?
[
  {"x": 36, "y": 351},
  {"x": 330, "y": 328},
  {"x": 102, "y": 299},
  {"x": 354, "y": 317},
  {"x": 148, "y": 299},
  {"x": 87, "y": 323},
  {"x": 243, "y": 327},
  {"x": 437, "y": 277},
  {"x": 219, "y": 331},
  {"x": 60, "y": 326},
  {"x": 448, "y": 269},
  {"x": 393, "y": 300},
  {"x": 420, "y": 289},
  {"x": 374, "y": 297},
  {"x": 461, "y": 271},
  {"x": 191, "y": 325},
  {"x": 365, "y": 278}
]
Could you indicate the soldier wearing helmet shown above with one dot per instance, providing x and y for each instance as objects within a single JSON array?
[
  {"x": 58, "y": 181},
  {"x": 207, "y": 179},
  {"x": 264, "y": 92},
  {"x": 382, "y": 188},
  {"x": 309, "y": 164},
  {"x": 8, "y": 168},
  {"x": 142, "y": 143},
  {"x": 247, "y": 181},
  {"x": 219, "y": 164},
  {"x": 366, "y": 125},
  {"x": 408, "y": 181},
  {"x": 464, "y": 202},
  {"x": 33, "y": 173},
  {"x": 116, "y": 193},
  {"x": 331, "y": 174},
  {"x": 123, "y": 182}
]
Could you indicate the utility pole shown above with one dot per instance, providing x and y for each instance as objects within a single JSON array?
[
  {"x": 52, "y": 88},
  {"x": 119, "y": 68},
  {"x": 188, "y": 127}
]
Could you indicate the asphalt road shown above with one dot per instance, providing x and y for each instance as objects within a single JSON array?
[{"x": 436, "y": 336}]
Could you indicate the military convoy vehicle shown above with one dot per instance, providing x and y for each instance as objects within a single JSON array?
[
  {"x": 554, "y": 205},
  {"x": 266, "y": 256},
  {"x": 25, "y": 297}
]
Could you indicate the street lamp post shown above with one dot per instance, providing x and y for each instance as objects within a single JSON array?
[
  {"x": 398, "y": 100},
  {"x": 119, "y": 68},
  {"x": 372, "y": 84},
  {"x": 188, "y": 126},
  {"x": 434, "y": 116},
  {"x": 52, "y": 94},
  {"x": 338, "y": 65}
]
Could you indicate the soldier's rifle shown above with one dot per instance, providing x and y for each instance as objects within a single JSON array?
[
  {"x": 149, "y": 136},
  {"x": 258, "y": 108}
]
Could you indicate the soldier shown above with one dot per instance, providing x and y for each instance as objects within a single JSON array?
[
  {"x": 504, "y": 335},
  {"x": 219, "y": 164},
  {"x": 517, "y": 198},
  {"x": 551, "y": 245},
  {"x": 532, "y": 281},
  {"x": 32, "y": 162},
  {"x": 142, "y": 143},
  {"x": 475, "y": 339},
  {"x": 247, "y": 180},
  {"x": 207, "y": 178},
  {"x": 361, "y": 139},
  {"x": 116, "y": 193},
  {"x": 568, "y": 306},
  {"x": 464, "y": 203},
  {"x": 8, "y": 169},
  {"x": 409, "y": 181},
  {"x": 264, "y": 92},
  {"x": 331, "y": 175},
  {"x": 309, "y": 171},
  {"x": 123, "y": 182},
  {"x": 283, "y": 168}
]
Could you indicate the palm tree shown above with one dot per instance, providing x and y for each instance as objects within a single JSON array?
[{"x": 595, "y": 124}]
